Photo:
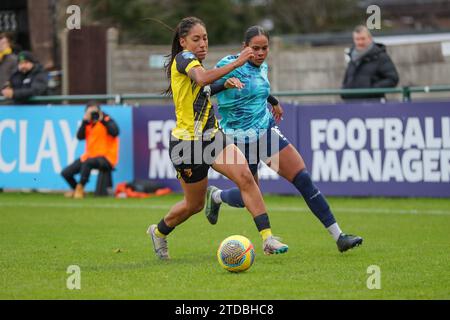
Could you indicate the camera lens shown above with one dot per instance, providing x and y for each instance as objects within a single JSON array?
[{"x": 95, "y": 115}]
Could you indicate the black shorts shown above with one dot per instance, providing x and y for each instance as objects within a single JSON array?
[
  {"x": 271, "y": 143},
  {"x": 193, "y": 158}
]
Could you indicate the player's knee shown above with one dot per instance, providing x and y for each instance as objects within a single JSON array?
[{"x": 245, "y": 180}]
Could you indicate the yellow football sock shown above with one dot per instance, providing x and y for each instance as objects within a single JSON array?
[
  {"x": 159, "y": 234},
  {"x": 265, "y": 233}
]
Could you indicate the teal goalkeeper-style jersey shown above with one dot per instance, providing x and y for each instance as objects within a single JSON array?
[{"x": 244, "y": 112}]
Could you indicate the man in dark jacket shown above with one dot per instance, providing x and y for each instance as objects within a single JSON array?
[
  {"x": 29, "y": 80},
  {"x": 369, "y": 66}
]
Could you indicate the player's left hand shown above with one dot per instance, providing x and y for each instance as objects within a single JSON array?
[
  {"x": 277, "y": 112},
  {"x": 233, "y": 83}
]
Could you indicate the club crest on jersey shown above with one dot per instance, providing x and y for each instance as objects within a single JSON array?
[{"x": 188, "y": 172}]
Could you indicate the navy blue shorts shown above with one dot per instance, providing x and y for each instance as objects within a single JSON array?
[{"x": 272, "y": 142}]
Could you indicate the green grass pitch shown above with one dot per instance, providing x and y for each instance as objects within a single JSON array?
[{"x": 41, "y": 235}]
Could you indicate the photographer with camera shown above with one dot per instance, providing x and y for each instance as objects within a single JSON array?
[{"x": 102, "y": 148}]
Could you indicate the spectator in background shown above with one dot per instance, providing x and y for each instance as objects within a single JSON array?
[
  {"x": 8, "y": 60},
  {"x": 28, "y": 80},
  {"x": 369, "y": 66},
  {"x": 102, "y": 148}
]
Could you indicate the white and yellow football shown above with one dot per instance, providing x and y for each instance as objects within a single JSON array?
[{"x": 236, "y": 253}]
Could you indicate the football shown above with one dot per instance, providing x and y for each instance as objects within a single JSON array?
[{"x": 236, "y": 253}]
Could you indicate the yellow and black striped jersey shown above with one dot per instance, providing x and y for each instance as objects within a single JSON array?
[{"x": 193, "y": 109}]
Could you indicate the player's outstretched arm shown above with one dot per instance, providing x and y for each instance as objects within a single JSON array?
[{"x": 204, "y": 77}]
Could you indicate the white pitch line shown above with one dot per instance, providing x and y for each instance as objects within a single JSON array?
[
  {"x": 166, "y": 207},
  {"x": 82, "y": 205}
]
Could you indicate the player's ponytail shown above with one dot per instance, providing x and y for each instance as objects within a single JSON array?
[
  {"x": 253, "y": 32},
  {"x": 181, "y": 31}
]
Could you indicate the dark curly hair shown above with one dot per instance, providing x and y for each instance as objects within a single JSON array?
[{"x": 181, "y": 31}]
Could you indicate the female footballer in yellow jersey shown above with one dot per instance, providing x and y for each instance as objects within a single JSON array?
[{"x": 197, "y": 144}]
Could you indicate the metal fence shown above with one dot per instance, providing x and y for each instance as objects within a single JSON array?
[{"x": 406, "y": 93}]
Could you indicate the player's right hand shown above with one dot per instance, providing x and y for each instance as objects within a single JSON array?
[
  {"x": 245, "y": 55},
  {"x": 232, "y": 83}
]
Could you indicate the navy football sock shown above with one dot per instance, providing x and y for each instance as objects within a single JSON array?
[
  {"x": 314, "y": 198},
  {"x": 232, "y": 197}
]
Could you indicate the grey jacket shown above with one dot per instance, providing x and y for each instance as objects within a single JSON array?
[{"x": 7, "y": 67}]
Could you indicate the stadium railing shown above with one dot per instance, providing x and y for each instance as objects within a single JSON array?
[{"x": 406, "y": 93}]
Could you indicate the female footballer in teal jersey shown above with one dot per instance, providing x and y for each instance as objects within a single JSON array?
[
  {"x": 196, "y": 130},
  {"x": 245, "y": 116}
]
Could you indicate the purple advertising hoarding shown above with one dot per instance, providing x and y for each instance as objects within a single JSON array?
[{"x": 395, "y": 149}]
